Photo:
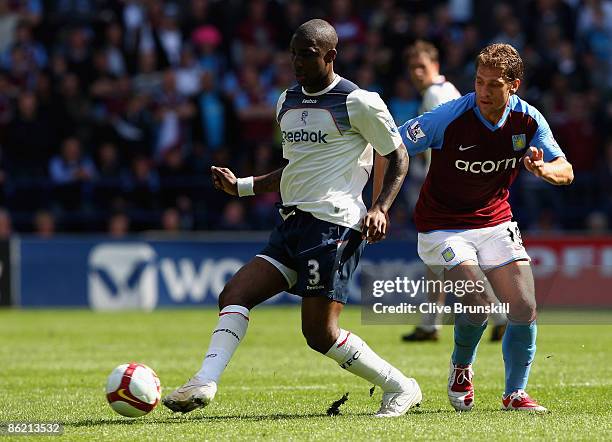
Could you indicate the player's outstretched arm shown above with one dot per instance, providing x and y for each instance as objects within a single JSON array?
[
  {"x": 225, "y": 180},
  {"x": 375, "y": 222},
  {"x": 558, "y": 171}
]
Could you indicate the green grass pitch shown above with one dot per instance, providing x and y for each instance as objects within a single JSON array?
[{"x": 54, "y": 364}]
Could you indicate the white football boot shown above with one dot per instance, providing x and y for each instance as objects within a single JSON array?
[
  {"x": 194, "y": 394},
  {"x": 397, "y": 404}
]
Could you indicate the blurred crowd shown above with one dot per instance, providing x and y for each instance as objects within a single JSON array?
[{"x": 111, "y": 112}]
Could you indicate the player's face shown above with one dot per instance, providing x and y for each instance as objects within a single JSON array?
[
  {"x": 311, "y": 64},
  {"x": 423, "y": 71},
  {"x": 493, "y": 90}
]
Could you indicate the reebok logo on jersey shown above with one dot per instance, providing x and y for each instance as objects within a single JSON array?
[
  {"x": 485, "y": 166},
  {"x": 461, "y": 148},
  {"x": 309, "y": 101},
  {"x": 304, "y": 135}
]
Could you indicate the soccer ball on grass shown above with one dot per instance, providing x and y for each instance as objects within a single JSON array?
[{"x": 133, "y": 389}]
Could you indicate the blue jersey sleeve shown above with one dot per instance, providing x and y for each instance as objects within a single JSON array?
[
  {"x": 544, "y": 139},
  {"x": 427, "y": 130}
]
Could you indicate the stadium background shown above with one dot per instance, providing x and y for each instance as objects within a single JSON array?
[
  {"x": 143, "y": 96},
  {"x": 112, "y": 112}
]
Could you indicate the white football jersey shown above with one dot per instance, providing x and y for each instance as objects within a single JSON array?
[
  {"x": 438, "y": 93},
  {"x": 328, "y": 138}
]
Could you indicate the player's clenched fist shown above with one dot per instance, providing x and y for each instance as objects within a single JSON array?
[
  {"x": 534, "y": 161},
  {"x": 224, "y": 179},
  {"x": 374, "y": 226}
]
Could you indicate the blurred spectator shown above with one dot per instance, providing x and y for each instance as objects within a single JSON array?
[
  {"x": 173, "y": 112},
  {"x": 596, "y": 223},
  {"x": 107, "y": 161},
  {"x": 188, "y": 73},
  {"x": 171, "y": 220},
  {"x": 114, "y": 51},
  {"x": 133, "y": 128},
  {"x": 149, "y": 79},
  {"x": 118, "y": 225},
  {"x": 168, "y": 36},
  {"x": 294, "y": 15},
  {"x": 108, "y": 192},
  {"x": 173, "y": 173},
  {"x": 213, "y": 112},
  {"x": 349, "y": 27},
  {"x": 511, "y": 33},
  {"x": 71, "y": 108},
  {"x": 404, "y": 104},
  {"x": 255, "y": 107},
  {"x": 255, "y": 28},
  {"x": 8, "y": 25},
  {"x": 142, "y": 184},
  {"x": 366, "y": 78},
  {"x": 197, "y": 13},
  {"x": 29, "y": 138},
  {"x": 207, "y": 40},
  {"x": 6, "y": 225},
  {"x": 34, "y": 53},
  {"x": 234, "y": 217},
  {"x": 547, "y": 223},
  {"x": 77, "y": 53},
  {"x": 44, "y": 224},
  {"x": 7, "y": 92},
  {"x": 70, "y": 172}
]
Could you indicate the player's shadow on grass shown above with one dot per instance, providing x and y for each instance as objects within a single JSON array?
[
  {"x": 262, "y": 417},
  {"x": 180, "y": 419}
]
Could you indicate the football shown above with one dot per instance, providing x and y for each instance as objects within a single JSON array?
[{"x": 133, "y": 389}]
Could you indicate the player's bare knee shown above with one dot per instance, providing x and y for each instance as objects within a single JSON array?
[
  {"x": 232, "y": 295},
  {"x": 319, "y": 338},
  {"x": 523, "y": 312}
]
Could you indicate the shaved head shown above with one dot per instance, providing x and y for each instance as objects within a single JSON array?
[{"x": 320, "y": 32}]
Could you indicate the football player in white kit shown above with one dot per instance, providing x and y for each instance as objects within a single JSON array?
[{"x": 329, "y": 130}]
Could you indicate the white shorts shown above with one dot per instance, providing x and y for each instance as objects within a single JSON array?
[{"x": 490, "y": 247}]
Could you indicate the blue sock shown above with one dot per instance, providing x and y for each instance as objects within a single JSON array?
[
  {"x": 518, "y": 347},
  {"x": 467, "y": 337}
]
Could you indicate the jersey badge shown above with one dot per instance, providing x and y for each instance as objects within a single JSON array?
[
  {"x": 448, "y": 254},
  {"x": 415, "y": 132},
  {"x": 519, "y": 142}
]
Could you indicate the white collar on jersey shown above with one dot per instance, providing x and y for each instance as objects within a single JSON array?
[{"x": 327, "y": 89}]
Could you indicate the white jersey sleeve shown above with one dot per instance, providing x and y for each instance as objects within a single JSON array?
[
  {"x": 279, "y": 104},
  {"x": 369, "y": 115},
  {"x": 437, "y": 94}
]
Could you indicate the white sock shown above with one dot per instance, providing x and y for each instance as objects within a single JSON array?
[
  {"x": 231, "y": 328},
  {"x": 354, "y": 355},
  {"x": 430, "y": 322}
]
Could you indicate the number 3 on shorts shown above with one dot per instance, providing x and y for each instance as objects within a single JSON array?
[{"x": 313, "y": 269}]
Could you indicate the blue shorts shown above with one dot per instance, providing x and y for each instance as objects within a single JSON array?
[{"x": 317, "y": 258}]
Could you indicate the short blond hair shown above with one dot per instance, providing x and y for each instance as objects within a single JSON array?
[
  {"x": 503, "y": 56},
  {"x": 423, "y": 47}
]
